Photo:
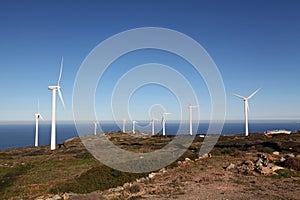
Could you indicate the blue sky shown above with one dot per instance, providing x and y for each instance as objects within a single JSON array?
[{"x": 253, "y": 43}]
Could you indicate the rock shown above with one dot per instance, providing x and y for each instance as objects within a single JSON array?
[
  {"x": 272, "y": 158},
  {"x": 259, "y": 162},
  {"x": 275, "y": 168},
  {"x": 142, "y": 179},
  {"x": 117, "y": 189},
  {"x": 266, "y": 171},
  {"x": 40, "y": 198},
  {"x": 179, "y": 163},
  {"x": 56, "y": 197},
  {"x": 163, "y": 170},
  {"x": 265, "y": 163},
  {"x": 207, "y": 155},
  {"x": 126, "y": 185},
  {"x": 90, "y": 196},
  {"x": 298, "y": 156},
  {"x": 248, "y": 162},
  {"x": 187, "y": 159},
  {"x": 282, "y": 159},
  {"x": 68, "y": 195},
  {"x": 230, "y": 166},
  {"x": 151, "y": 175},
  {"x": 290, "y": 155},
  {"x": 276, "y": 153}
]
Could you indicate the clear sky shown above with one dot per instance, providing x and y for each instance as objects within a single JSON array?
[{"x": 253, "y": 43}]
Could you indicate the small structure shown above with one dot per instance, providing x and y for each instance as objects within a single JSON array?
[{"x": 277, "y": 132}]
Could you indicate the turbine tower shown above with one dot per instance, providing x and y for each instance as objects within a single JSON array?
[
  {"x": 95, "y": 127},
  {"x": 246, "y": 108},
  {"x": 153, "y": 125},
  {"x": 37, "y": 117},
  {"x": 164, "y": 115},
  {"x": 54, "y": 89},
  {"x": 124, "y": 121},
  {"x": 191, "y": 117},
  {"x": 133, "y": 126}
]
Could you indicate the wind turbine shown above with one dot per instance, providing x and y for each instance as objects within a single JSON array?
[
  {"x": 133, "y": 126},
  {"x": 164, "y": 115},
  {"x": 246, "y": 108},
  {"x": 153, "y": 125},
  {"x": 37, "y": 117},
  {"x": 95, "y": 127},
  {"x": 124, "y": 121},
  {"x": 191, "y": 117},
  {"x": 54, "y": 89}
]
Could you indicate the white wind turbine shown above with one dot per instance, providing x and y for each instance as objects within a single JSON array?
[
  {"x": 37, "y": 117},
  {"x": 95, "y": 127},
  {"x": 54, "y": 89},
  {"x": 164, "y": 115},
  {"x": 124, "y": 123},
  {"x": 133, "y": 126},
  {"x": 246, "y": 108},
  {"x": 153, "y": 125},
  {"x": 191, "y": 117}
]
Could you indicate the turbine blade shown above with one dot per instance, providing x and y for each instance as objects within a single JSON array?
[
  {"x": 42, "y": 117},
  {"x": 60, "y": 72},
  {"x": 61, "y": 98},
  {"x": 38, "y": 106},
  {"x": 240, "y": 96},
  {"x": 251, "y": 95}
]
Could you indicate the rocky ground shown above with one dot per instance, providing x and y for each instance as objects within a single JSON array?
[{"x": 256, "y": 167}]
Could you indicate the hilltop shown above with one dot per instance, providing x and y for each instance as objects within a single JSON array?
[{"x": 237, "y": 168}]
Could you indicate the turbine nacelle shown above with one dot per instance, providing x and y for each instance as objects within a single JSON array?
[
  {"x": 193, "y": 106},
  {"x": 54, "y": 87},
  {"x": 38, "y": 116}
]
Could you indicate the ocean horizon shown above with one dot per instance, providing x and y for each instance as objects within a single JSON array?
[{"x": 21, "y": 134}]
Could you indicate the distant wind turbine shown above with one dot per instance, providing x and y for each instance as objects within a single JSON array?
[
  {"x": 54, "y": 89},
  {"x": 95, "y": 127},
  {"x": 164, "y": 115},
  {"x": 124, "y": 122},
  {"x": 153, "y": 125},
  {"x": 246, "y": 108},
  {"x": 37, "y": 117},
  {"x": 133, "y": 126},
  {"x": 191, "y": 117}
]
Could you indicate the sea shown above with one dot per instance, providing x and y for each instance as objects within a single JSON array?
[{"x": 15, "y": 135}]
